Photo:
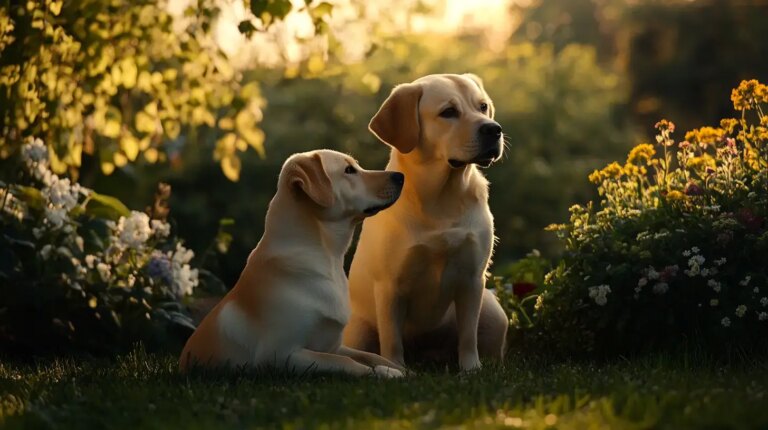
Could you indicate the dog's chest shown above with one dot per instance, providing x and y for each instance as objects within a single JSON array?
[{"x": 441, "y": 263}]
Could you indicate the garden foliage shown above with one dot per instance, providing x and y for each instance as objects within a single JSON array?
[
  {"x": 79, "y": 271},
  {"x": 676, "y": 250}
]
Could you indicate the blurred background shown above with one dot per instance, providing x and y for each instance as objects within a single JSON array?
[{"x": 576, "y": 83}]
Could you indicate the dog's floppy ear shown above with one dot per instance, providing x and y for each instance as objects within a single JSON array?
[
  {"x": 479, "y": 82},
  {"x": 306, "y": 172},
  {"x": 397, "y": 121}
]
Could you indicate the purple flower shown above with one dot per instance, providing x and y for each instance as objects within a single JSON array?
[{"x": 159, "y": 267}]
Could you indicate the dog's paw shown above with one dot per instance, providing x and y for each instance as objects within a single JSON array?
[
  {"x": 387, "y": 372},
  {"x": 470, "y": 366}
]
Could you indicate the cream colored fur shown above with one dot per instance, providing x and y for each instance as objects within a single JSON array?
[
  {"x": 420, "y": 267},
  {"x": 289, "y": 307}
]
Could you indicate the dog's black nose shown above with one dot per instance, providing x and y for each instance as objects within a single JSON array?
[
  {"x": 398, "y": 178},
  {"x": 490, "y": 129}
]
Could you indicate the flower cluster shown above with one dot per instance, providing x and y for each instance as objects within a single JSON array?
[
  {"x": 676, "y": 244},
  {"x": 97, "y": 268}
]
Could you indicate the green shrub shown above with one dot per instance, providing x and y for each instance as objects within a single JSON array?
[
  {"x": 79, "y": 271},
  {"x": 676, "y": 250}
]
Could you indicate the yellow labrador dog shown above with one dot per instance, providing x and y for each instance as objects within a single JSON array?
[
  {"x": 291, "y": 302},
  {"x": 418, "y": 274}
]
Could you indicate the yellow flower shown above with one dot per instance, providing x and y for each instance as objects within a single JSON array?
[
  {"x": 641, "y": 153},
  {"x": 705, "y": 136},
  {"x": 748, "y": 94},
  {"x": 675, "y": 196},
  {"x": 728, "y": 124},
  {"x": 701, "y": 163},
  {"x": 595, "y": 177},
  {"x": 613, "y": 170}
]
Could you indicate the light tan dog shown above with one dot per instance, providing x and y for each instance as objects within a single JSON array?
[
  {"x": 291, "y": 302},
  {"x": 419, "y": 271}
]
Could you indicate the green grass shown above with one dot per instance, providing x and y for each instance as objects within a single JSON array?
[{"x": 145, "y": 391}]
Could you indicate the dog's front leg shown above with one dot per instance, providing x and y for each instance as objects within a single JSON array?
[
  {"x": 390, "y": 316},
  {"x": 368, "y": 358},
  {"x": 468, "y": 301},
  {"x": 305, "y": 360}
]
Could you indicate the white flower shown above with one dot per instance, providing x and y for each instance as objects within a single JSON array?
[
  {"x": 695, "y": 249},
  {"x": 764, "y": 301},
  {"x": 713, "y": 284},
  {"x": 705, "y": 272},
  {"x": 185, "y": 279},
  {"x": 134, "y": 231},
  {"x": 599, "y": 293},
  {"x": 720, "y": 261},
  {"x": 726, "y": 322},
  {"x": 182, "y": 254},
  {"x": 104, "y": 271},
  {"x": 713, "y": 271},
  {"x": 160, "y": 229},
  {"x": 642, "y": 282},
  {"x": 131, "y": 280},
  {"x": 46, "y": 251},
  {"x": 660, "y": 288},
  {"x": 652, "y": 273},
  {"x": 762, "y": 316},
  {"x": 696, "y": 260},
  {"x": 55, "y": 217},
  {"x": 714, "y": 302},
  {"x": 686, "y": 253},
  {"x": 34, "y": 151},
  {"x": 744, "y": 282},
  {"x": 61, "y": 193},
  {"x": 741, "y": 310},
  {"x": 756, "y": 290},
  {"x": 90, "y": 260}
]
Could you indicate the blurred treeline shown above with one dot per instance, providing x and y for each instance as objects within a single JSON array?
[{"x": 577, "y": 84}]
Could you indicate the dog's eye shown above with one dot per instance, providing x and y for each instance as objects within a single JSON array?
[
  {"x": 449, "y": 112},
  {"x": 483, "y": 107},
  {"x": 350, "y": 170}
]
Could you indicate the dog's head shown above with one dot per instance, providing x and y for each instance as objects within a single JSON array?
[
  {"x": 442, "y": 117},
  {"x": 337, "y": 187}
]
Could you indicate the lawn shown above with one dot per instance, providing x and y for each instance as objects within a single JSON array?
[{"x": 141, "y": 390}]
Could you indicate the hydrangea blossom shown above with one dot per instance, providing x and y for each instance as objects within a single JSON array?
[
  {"x": 726, "y": 322},
  {"x": 599, "y": 294},
  {"x": 133, "y": 231}
]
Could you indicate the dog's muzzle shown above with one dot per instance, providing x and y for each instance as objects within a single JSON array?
[
  {"x": 390, "y": 194},
  {"x": 489, "y": 136}
]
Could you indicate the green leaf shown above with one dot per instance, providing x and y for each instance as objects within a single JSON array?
[
  {"x": 278, "y": 9},
  {"x": 29, "y": 195},
  {"x": 321, "y": 10},
  {"x": 101, "y": 205},
  {"x": 246, "y": 27}
]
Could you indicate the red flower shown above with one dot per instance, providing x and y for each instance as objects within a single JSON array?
[
  {"x": 749, "y": 219},
  {"x": 693, "y": 190},
  {"x": 522, "y": 289}
]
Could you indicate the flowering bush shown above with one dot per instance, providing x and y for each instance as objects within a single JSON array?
[
  {"x": 78, "y": 270},
  {"x": 677, "y": 248}
]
